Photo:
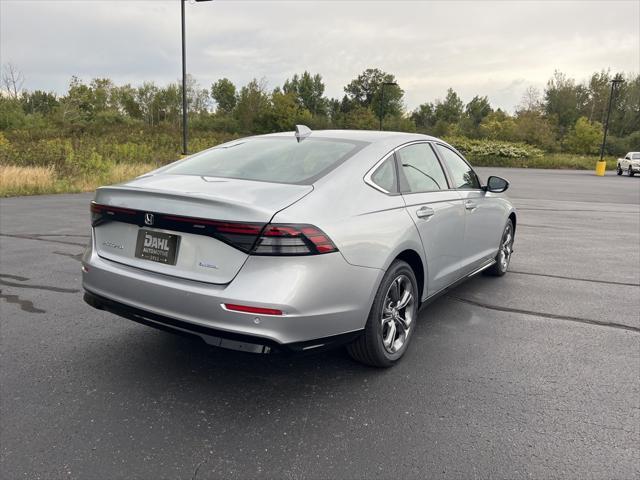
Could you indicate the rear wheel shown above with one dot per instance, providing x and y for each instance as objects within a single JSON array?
[
  {"x": 504, "y": 253},
  {"x": 391, "y": 320},
  {"x": 630, "y": 171},
  {"x": 619, "y": 170}
]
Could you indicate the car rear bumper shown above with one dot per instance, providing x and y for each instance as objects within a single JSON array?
[
  {"x": 218, "y": 338},
  {"x": 320, "y": 296}
]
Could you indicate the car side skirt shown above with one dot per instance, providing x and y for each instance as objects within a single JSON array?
[{"x": 446, "y": 289}]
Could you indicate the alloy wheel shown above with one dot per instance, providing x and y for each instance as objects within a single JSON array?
[
  {"x": 397, "y": 314},
  {"x": 506, "y": 248}
]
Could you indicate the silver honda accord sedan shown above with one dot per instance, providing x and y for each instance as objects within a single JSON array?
[{"x": 298, "y": 241}]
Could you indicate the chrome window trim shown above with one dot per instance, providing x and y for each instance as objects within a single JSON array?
[
  {"x": 369, "y": 181},
  {"x": 372, "y": 170}
]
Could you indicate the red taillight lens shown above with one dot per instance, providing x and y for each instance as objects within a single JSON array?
[
  {"x": 99, "y": 212},
  {"x": 249, "y": 309},
  {"x": 249, "y": 237},
  {"x": 293, "y": 240},
  {"x": 239, "y": 235}
]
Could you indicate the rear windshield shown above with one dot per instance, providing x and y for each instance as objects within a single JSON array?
[{"x": 270, "y": 159}]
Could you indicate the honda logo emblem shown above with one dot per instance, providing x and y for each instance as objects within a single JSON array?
[{"x": 148, "y": 218}]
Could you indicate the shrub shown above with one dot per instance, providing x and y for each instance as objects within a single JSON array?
[
  {"x": 584, "y": 137},
  {"x": 481, "y": 150}
]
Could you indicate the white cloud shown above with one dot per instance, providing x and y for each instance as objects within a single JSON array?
[{"x": 489, "y": 48}]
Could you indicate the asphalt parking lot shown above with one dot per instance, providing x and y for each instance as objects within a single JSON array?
[{"x": 535, "y": 374}]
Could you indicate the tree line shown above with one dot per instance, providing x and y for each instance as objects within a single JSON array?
[{"x": 567, "y": 116}]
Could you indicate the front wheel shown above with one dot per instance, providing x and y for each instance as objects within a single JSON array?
[
  {"x": 504, "y": 253},
  {"x": 619, "y": 170},
  {"x": 391, "y": 321},
  {"x": 631, "y": 172}
]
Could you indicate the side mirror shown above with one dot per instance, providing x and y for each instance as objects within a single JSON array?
[{"x": 496, "y": 185}]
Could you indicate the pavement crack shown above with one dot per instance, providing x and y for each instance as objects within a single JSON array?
[
  {"x": 25, "y": 305},
  {"x": 14, "y": 277},
  {"x": 39, "y": 238},
  {"x": 568, "y": 210},
  {"x": 530, "y": 225},
  {"x": 607, "y": 282},
  {"x": 552, "y": 316},
  {"x": 35, "y": 287},
  {"x": 305, "y": 420},
  {"x": 195, "y": 473},
  {"x": 75, "y": 256}
]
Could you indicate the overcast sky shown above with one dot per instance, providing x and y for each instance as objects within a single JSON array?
[{"x": 493, "y": 48}]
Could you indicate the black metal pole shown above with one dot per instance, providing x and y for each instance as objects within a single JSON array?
[
  {"x": 382, "y": 106},
  {"x": 606, "y": 123},
  {"x": 617, "y": 80},
  {"x": 184, "y": 83}
]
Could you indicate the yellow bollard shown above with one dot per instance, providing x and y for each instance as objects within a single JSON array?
[{"x": 600, "y": 168}]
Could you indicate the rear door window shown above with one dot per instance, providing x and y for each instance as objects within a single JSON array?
[{"x": 420, "y": 169}]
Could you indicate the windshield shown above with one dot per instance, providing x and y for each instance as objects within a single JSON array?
[
  {"x": 270, "y": 159},
  {"x": 635, "y": 156}
]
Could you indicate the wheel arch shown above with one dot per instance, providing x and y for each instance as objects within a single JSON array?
[
  {"x": 415, "y": 262},
  {"x": 512, "y": 217}
]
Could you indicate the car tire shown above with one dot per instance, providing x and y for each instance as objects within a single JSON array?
[
  {"x": 631, "y": 172},
  {"x": 505, "y": 251},
  {"x": 619, "y": 170},
  {"x": 389, "y": 329}
]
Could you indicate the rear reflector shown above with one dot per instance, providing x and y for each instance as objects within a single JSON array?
[{"x": 254, "y": 310}]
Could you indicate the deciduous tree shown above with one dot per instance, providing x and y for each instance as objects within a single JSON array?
[{"x": 224, "y": 94}]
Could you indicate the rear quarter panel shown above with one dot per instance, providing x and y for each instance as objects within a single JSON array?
[{"x": 369, "y": 227}]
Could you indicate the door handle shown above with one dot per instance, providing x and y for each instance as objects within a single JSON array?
[
  {"x": 470, "y": 205},
  {"x": 425, "y": 212}
]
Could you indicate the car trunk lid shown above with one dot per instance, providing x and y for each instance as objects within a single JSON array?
[{"x": 198, "y": 228}]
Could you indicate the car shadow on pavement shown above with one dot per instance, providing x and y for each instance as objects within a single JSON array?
[{"x": 155, "y": 361}]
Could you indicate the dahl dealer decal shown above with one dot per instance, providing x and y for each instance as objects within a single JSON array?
[
  {"x": 152, "y": 243},
  {"x": 157, "y": 246}
]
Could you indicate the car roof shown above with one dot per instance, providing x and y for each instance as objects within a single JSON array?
[{"x": 369, "y": 136}]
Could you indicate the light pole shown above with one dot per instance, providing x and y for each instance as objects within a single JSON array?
[
  {"x": 184, "y": 78},
  {"x": 601, "y": 166},
  {"x": 384, "y": 84}
]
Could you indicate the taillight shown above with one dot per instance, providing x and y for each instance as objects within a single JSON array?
[
  {"x": 239, "y": 235},
  {"x": 99, "y": 212},
  {"x": 289, "y": 239},
  {"x": 251, "y": 238}
]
